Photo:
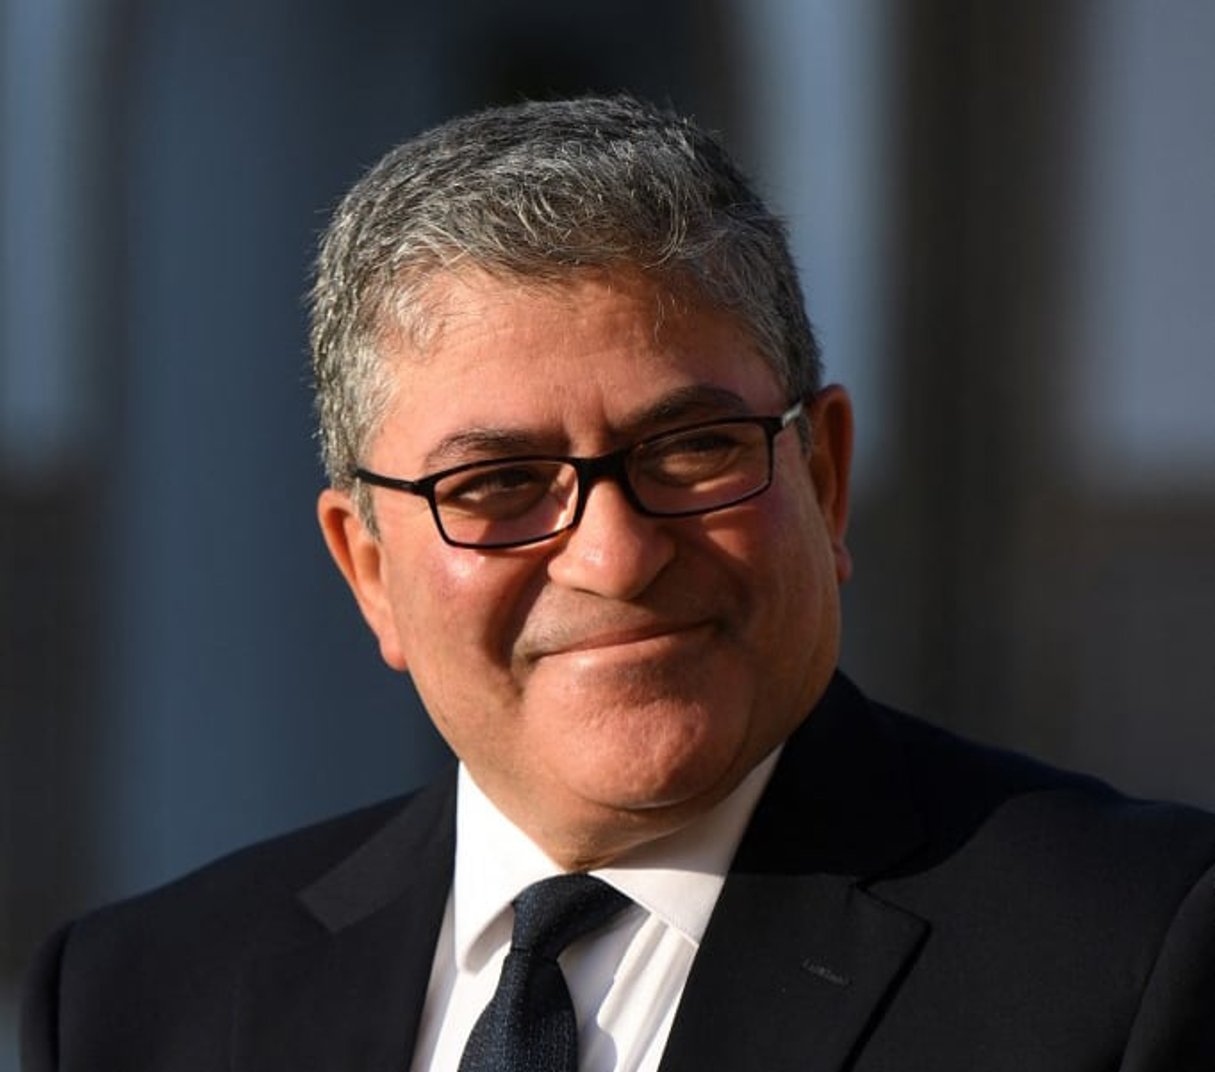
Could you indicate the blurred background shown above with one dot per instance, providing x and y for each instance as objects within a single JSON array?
[{"x": 1005, "y": 219}]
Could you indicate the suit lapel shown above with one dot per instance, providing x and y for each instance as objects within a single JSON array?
[
  {"x": 798, "y": 955},
  {"x": 352, "y": 998},
  {"x": 789, "y": 977}
]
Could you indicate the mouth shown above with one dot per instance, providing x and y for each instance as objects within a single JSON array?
[{"x": 635, "y": 640}]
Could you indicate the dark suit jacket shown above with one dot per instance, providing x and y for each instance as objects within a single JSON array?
[{"x": 902, "y": 900}]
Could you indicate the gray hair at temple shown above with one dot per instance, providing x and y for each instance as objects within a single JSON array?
[{"x": 537, "y": 191}]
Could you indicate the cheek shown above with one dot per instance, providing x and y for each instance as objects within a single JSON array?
[
  {"x": 458, "y": 609},
  {"x": 792, "y": 574},
  {"x": 771, "y": 546}
]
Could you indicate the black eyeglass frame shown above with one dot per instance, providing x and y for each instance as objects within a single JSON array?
[{"x": 587, "y": 472}]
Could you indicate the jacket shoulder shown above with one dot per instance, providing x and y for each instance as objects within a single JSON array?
[
  {"x": 251, "y": 880},
  {"x": 962, "y": 785},
  {"x": 185, "y": 944},
  {"x": 1053, "y": 900}
]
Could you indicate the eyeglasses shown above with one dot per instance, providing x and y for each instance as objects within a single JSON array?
[{"x": 512, "y": 502}]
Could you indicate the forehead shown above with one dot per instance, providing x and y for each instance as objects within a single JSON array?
[
  {"x": 454, "y": 303},
  {"x": 584, "y": 356}
]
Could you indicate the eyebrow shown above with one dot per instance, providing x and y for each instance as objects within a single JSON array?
[
  {"x": 689, "y": 403},
  {"x": 684, "y": 404},
  {"x": 459, "y": 446}
]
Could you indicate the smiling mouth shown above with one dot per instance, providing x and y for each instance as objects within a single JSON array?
[{"x": 639, "y": 638}]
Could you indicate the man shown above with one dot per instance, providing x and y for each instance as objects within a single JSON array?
[{"x": 589, "y": 493}]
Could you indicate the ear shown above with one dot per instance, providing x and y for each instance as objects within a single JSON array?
[
  {"x": 360, "y": 558},
  {"x": 830, "y": 461}
]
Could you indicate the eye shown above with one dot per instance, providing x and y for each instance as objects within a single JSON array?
[
  {"x": 698, "y": 455},
  {"x": 497, "y": 490}
]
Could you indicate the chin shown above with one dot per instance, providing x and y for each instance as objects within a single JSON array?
[{"x": 642, "y": 774}]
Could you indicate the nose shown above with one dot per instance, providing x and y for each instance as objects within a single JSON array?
[{"x": 613, "y": 551}]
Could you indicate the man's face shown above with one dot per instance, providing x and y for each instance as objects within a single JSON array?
[{"x": 608, "y": 685}]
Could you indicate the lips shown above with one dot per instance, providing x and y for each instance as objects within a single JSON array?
[
  {"x": 621, "y": 637},
  {"x": 568, "y": 640}
]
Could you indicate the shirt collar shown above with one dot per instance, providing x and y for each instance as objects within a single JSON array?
[{"x": 677, "y": 878}]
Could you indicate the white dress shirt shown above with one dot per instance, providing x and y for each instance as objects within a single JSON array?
[{"x": 625, "y": 980}]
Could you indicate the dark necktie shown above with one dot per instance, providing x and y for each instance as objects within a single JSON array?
[{"x": 529, "y": 1024}]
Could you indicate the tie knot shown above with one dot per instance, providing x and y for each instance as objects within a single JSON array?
[{"x": 554, "y": 912}]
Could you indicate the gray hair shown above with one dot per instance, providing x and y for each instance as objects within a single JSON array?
[{"x": 537, "y": 191}]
